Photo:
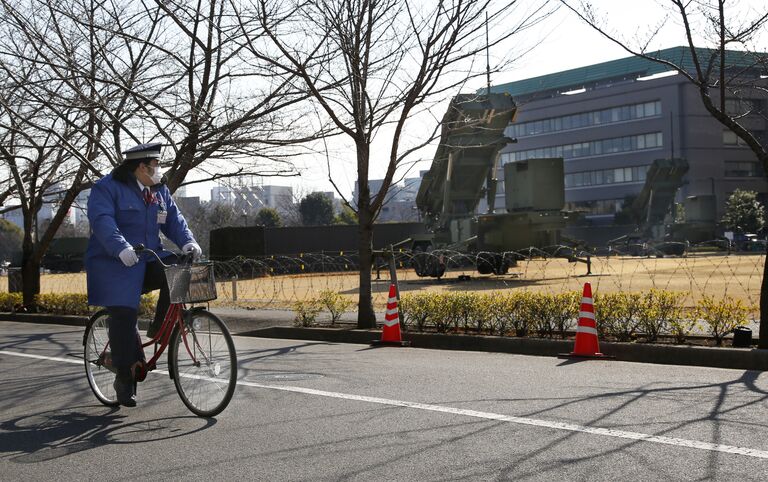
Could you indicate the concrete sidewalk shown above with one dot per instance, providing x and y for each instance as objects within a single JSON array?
[{"x": 241, "y": 320}]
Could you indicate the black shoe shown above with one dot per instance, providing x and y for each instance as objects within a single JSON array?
[{"x": 125, "y": 389}]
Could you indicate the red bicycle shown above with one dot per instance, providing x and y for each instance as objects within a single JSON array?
[{"x": 201, "y": 359}]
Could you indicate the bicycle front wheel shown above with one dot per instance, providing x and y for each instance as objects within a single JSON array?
[
  {"x": 203, "y": 363},
  {"x": 98, "y": 359}
]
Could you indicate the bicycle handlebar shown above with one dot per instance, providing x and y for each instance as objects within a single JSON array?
[{"x": 184, "y": 258}]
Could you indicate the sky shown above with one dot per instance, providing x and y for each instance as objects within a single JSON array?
[{"x": 560, "y": 43}]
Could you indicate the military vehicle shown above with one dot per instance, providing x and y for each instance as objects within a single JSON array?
[
  {"x": 651, "y": 209},
  {"x": 700, "y": 225},
  {"x": 463, "y": 171}
]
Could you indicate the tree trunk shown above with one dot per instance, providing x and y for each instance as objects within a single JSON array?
[
  {"x": 30, "y": 276},
  {"x": 763, "y": 333},
  {"x": 366, "y": 317}
]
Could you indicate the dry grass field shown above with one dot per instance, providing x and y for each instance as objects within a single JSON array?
[{"x": 736, "y": 276}]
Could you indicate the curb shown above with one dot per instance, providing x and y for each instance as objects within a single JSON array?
[
  {"x": 733, "y": 358},
  {"x": 46, "y": 318}
]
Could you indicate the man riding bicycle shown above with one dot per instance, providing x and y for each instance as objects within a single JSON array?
[{"x": 128, "y": 207}]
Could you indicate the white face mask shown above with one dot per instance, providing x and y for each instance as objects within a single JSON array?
[{"x": 157, "y": 175}]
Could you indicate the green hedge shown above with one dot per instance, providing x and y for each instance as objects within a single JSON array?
[
  {"x": 334, "y": 303},
  {"x": 68, "y": 303},
  {"x": 620, "y": 316},
  {"x": 9, "y": 301}
]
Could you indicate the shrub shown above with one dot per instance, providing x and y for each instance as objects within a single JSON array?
[
  {"x": 507, "y": 312},
  {"x": 658, "y": 309},
  {"x": 680, "y": 328},
  {"x": 306, "y": 312},
  {"x": 483, "y": 312},
  {"x": 335, "y": 303},
  {"x": 63, "y": 304},
  {"x": 147, "y": 304},
  {"x": 721, "y": 316},
  {"x": 468, "y": 310},
  {"x": 8, "y": 301},
  {"x": 539, "y": 309},
  {"x": 444, "y": 314},
  {"x": 617, "y": 314},
  {"x": 551, "y": 313},
  {"x": 69, "y": 303},
  {"x": 519, "y": 304},
  {"x": 564, "y": 310},
  {"x": 496, "y": 312},
  {"x": 416, "y": 309}
]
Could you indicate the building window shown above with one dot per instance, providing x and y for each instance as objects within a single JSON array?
[
  {"x": 738, "y": 107},
  {"x": 731, "y": 139},
  {"x": 587, "y": 119},
  {"x": 640, "y": 142},
  {"x": 606, "y": 176},
  {"x": 596, "y": 207},
  {"x": 743, "y": 169}
]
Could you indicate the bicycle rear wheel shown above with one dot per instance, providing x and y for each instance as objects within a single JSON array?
[
  {"x": 203, "y": 363},
  {"x": 98, "y": 360}
]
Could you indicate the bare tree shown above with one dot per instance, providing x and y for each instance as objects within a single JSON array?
[
  {"x": 209, "y": 216},
  {"x": 215, "y": 100},
  {"x": 83, "y": 78},
  {"x": 371, "y": 66},
  {"x": 718, "y": 72},
  {"x": 49, "y": 123}
]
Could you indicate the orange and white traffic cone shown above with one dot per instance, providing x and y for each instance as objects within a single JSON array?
[
  {"x": 390, "y": 333},
  {"x": 586, "y": 345}
]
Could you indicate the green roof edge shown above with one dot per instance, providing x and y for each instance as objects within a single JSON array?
[{"x": 628, "y": 68}]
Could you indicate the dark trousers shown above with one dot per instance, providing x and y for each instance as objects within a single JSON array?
[
  {"x": 154, "y": 279},
  {"x": 124, "y": 338}
]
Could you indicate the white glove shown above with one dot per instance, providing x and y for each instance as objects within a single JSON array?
[
  {"x": 128, "y": 257},
  {"x": 193, "y": 248}
]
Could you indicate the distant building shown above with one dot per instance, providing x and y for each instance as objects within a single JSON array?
[
  {"x": 252, "y": 198},
  {"x": 14, "y": 216},
  {"x": 277, "y": 197},
  {"x": 609, "y": 121},
  {"x": 400, "y": 202},
  {"x": 374, "y": 186},
  {"x": 80, "y": 210},
  {"x": 187, "y": 205},
  {"x": 44, "y": 215}
]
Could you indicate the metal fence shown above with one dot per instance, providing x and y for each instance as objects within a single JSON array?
[{"x": 279, "y": 281}]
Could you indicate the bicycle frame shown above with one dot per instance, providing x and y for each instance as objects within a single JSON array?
[
  {"x": 174, "y": 316},
  {"x": 161, "y": 340},
  {"x": 210, "y": 350}
]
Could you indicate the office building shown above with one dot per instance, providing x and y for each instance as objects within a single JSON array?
[{"x": 609, "y": 121}]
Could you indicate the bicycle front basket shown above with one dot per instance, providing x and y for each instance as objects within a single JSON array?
[{"x": 191, "y": 284}]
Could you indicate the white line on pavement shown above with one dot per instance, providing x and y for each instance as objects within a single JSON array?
[{"x": 643, "y": 437}]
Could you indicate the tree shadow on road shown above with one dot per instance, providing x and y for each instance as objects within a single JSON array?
[
  {"x": 722, "y": 408},
  {"x": 57, "y": 433},
  {"x": 245, "y": 357},
  {"x": 22, "y": 340}
]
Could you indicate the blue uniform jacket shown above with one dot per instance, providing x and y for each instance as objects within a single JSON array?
[{"x": 120, "y": 218}]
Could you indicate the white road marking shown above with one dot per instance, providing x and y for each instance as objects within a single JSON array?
[
  {"x": 643, "y": 437},
  {"x": 41, "y": 357}
]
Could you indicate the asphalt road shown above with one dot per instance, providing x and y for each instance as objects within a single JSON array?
[{"x": 320, "y": 411}]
